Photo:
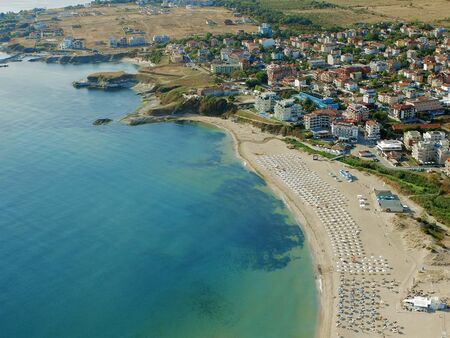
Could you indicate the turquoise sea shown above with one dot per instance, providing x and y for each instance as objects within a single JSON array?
[{"x": 149, "y": 231}]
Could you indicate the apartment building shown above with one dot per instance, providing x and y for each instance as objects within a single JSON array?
[
  {"x": 429, "y": 152},
  {"x": 369, "y": 96},
  {"x": 320, "y": 119},
  {"x": 389, "y": 98},
  {"x": 276, "y": 73},
  {"x": 344, "y": 131},
  {"x": 424, "y": 152},
  {"x": 72, "y": 43},
  {"x": 372, "y": 130},
  {"x": 410, "y": 138},
  {"x": 402, "y": 112},
  {"x": 286, "y": 110},
  {"x": 356, "y": 112},
  {"x": 265, "y": 102},
  {"x": 434, "y": 136}
]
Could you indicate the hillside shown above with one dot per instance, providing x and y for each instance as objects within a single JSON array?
[{"x": 344, "y": 13}]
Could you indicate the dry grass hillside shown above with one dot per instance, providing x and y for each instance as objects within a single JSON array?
[
  {"x": 97, "y": 25},
  {"x": 349, "y": 12}
]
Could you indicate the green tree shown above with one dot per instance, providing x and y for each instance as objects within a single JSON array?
[{"x": 262, "y": 77}]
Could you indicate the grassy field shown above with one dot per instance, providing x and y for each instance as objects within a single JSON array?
[
  {"x": 246, "y": 114},
  {"x": 341, "y": 17},
  {"x": 348, "y": 12},
  {"x": 177, "y": 23},
  {"x": 177, "y": 75}
]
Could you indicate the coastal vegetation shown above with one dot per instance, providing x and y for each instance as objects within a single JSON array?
[
  {"x": 432, "y": 229},
  {"x": 265, "y": 13},
  {"x": 338, "y": 13}
]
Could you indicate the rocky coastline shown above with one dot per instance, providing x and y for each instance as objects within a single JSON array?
[
  {"x": 108, "y": 81},
  {"x": 82, "y": 59},
  {"x": 18, "y": 52}
]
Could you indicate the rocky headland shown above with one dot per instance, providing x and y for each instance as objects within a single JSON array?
[{"x": 108, "y": 81}]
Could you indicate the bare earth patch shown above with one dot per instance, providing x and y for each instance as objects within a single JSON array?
[{"x": 112, "y": 21}]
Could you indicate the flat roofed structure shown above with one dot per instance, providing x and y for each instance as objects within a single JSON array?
[
  {"x": 425, "y": 303},
  {"x": 389, "y": 145},
  {"x": 388, "y": 201}
]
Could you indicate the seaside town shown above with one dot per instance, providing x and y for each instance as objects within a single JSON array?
[
  {"x": 381, "y": 91},
  {"x": 361, "y": 118}
]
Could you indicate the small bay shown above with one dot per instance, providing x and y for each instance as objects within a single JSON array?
[{"x": 149, "y": 231}]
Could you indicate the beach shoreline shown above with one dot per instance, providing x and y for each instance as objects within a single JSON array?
[
  {"x": 324, "y": 282},
  {"x": 380, "y": 237}
]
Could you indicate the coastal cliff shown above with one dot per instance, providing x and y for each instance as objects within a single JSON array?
[{"x": 89, "y": 58}]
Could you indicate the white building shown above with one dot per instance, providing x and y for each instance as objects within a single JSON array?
[
  {"x": 333, "y": 59},
  {"x": 267, "y": 43},
  {"x": 351, "y": 86},
  {"x": 319, "y": 120},
  {"x": 424, "y": 152},
  {"x": 265, "y": 29},
  {"x": 434, "y": 136},
  {"x": 411, "y": 137},
  {"x": 442, "y": 152},
  {"x": 426, "y": 304},
  {"x": 300, "y": 82},
  {"x": 347, "y": 58},
  {"x": 344, "y": 131},
  {"x": 136, "y": 41},
  {"x": 67, "y": 43},
  {"x": 286, "y": 110},
  {"x": 378, "y": 66},
  {"x": 372, "y": 130},
  {"x": 265, "y": 102},
  {"x": 370, "y": 50},
  {"x": 389, "y": 145},
  {"x": 429, "y": 152},
  {"x": 369, "y": 96},
  {"x": 161, "y": 39},
  {"x": 71, "y": 43}
]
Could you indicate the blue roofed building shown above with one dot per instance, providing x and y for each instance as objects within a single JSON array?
[
  {"x": 265, "y": 30},
  {"x": 319, "y": 101}
]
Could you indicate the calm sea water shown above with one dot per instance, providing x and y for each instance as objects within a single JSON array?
[
  {"x": 149, "y": 231},
  {"x": 18, "y": 5}
]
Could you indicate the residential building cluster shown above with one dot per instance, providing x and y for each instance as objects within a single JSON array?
[{"x": 370, "y": 82}]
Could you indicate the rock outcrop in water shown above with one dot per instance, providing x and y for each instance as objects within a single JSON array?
[
  {"x": 100, "y": 122},
  {"x": 108, "y": 81}
]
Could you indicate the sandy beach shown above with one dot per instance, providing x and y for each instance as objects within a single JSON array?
[{"x": 363, "y": 277}]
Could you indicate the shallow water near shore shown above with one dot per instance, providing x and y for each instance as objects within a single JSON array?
[{"x": 149, "y": 231}]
